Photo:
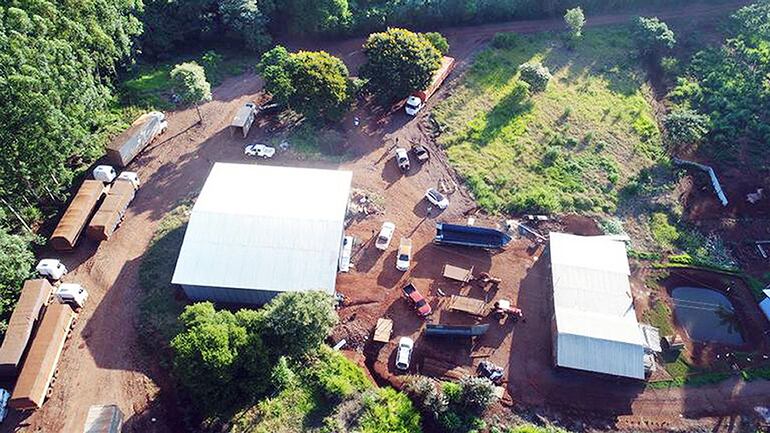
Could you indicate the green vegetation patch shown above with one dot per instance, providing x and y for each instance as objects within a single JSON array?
[
  {"x": 149, "y": 85},
  {"x": 571, "y": 147},
  {"x": 328, "y": 393}
]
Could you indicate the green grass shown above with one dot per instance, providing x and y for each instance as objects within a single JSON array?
[
  {"x": 659, "y": 316},
  {"x": 569, "y": 148},
  {"x": 158, "y": 308},
  {"x": 148, "y": 85}
]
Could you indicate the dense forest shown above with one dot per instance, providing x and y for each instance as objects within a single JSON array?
[{"x": 59, "y": 63}]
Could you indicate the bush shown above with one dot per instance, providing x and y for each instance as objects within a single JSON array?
[
  {"x": 424, "y": 393},
  {"x": 439, "y": 41},
  {"x": 298, "y": 322},
  {"x": 575, "y": 19},
  {"x": 685, "y": 126},
  {"x": 507, "y": 41},
  {"x": 536, "y": 75},
  {"x": 283, "y": 377},
  {"x": 337, "y": 376},
  {"x": 476, "y": 394},
  {"x": 653, "y": 36},
  {"x": 16, "y": 263},
  {"x": 389, "y": 411},
  {"x": 663, "y": 232}
]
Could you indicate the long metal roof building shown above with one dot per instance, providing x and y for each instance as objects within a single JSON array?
[
  {"x": 594, "y": 322},
  {"x": 258, "y": 230}
]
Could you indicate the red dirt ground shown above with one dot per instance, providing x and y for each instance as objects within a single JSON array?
[{"x": 102, "y": 364}]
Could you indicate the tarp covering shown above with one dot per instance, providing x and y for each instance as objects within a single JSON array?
[
  {"x": 77, "y": 214},
  {"x": 111, "y": 211},
  {"x": 594, "y": 319},
  {"x": 34, "y": 295},
  {"x": 265, "y": 228},
  {"x": 44, "y": 353}
]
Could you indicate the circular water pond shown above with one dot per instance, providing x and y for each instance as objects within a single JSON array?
[{"x": 706, "y": 315}]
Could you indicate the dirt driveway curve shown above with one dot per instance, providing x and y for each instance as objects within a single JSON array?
[{"x": 101, "y": 363}]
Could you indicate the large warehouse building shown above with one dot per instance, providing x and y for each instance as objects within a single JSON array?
[
  {"x": 256, "y": 231},
  {"x": 594, "y": 323}
]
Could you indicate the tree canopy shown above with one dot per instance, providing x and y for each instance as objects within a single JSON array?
[
  {"x": 575, "y": 20},
  {"x": 315, "y": 84},
  {"x": 15, "y": 266},
  {"x": 398, "y": 62},
  {"x": 653, "y": 36},
  {"x": 298, "y": 322}
]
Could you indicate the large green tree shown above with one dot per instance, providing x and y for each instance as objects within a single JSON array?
[
  {"x": 219, "y": 357},
  {"x": 56, "y": 60},
  {"x": 315, "y": 84},
  {"x": 190, "y": 84},
  {"x": 298, "y": 322},
  {"x": 16, "y": 263},
  {"x": 653, "y": 37},
  {"x": 398, "y": 62}
]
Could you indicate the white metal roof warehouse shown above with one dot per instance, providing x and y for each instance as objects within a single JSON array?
[
  {"x": 594, "y": 322},
  {"x": 259, "y": 230}
]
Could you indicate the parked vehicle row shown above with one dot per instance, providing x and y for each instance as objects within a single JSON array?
[{"x": 419, "y": 152}]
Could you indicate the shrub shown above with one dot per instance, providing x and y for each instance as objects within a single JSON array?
[
  {"x": 575, "y": 19},
  {"x": 298, "y": 322},
  {"x": 653, "y": 36},
  {"x": 439, "y": 41},
  {"x": 664, "y": 233},
  {"x": 507, "y": 41},
  {"x": 686, "y": 126},
  {"x": 283, "y": 377},
  {"x": 536, "y": 75},
  {"x": 389, "y": 411},
  {"x": 476, "y": 394},
  {"x": 337, "y": 376}
]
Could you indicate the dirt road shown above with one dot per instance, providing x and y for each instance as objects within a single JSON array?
[{"x": 102, "y": 363}]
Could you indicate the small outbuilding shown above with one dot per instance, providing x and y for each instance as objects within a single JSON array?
[
  {"x": 594, "y": 322},
  {"x": 256, "y": 231}
]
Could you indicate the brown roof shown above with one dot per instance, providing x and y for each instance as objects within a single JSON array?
[
  {"x": 44, "y": 353},
  {"x": 108, "y": 216},
  {"x": 34, "y": 295},
  {"x": 77, "y": 214}
]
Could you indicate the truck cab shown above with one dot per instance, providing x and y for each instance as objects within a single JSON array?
[
  {"x": 414, "y": 103},
  {"x": 51, "y": 268},
  {"x": 105, "y": 173},
  {"x": 131, "y": 177},
  {"x": 72, "y": 294}
]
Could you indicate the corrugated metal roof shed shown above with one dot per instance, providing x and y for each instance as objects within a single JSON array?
[
  {"x": 265, "y": 228},
  {"x": 595, "y": 322}
]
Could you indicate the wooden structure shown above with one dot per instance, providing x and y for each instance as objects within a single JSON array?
[
  {"x": 472, "y": 306},
  {"x": 458, "y": 273},
  {"x": 382, "y": 330}
]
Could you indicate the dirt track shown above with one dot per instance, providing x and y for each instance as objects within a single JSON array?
[{"x": 102, "y": 364}]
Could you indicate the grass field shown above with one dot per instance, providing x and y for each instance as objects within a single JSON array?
[{"x": 573, "y": 147}]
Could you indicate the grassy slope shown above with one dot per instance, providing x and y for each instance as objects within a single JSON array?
[{"x": 571, "y": 147}]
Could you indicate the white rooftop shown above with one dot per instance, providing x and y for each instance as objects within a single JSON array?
[
  {"x": 265, "y": 228},
  {"x": 595, "y": 319}
]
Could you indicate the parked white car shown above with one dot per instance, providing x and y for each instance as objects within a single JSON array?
[
  {"x": 105, "y": 173},
  {"x": 402, "y": 159},
  {"x": 51, "y": 268},
  {"x": 4, "y": 397},
  {"x": 347, "y": 248},
  {"x": 436, "y": 198},
  {"x": 386, "y": 234},
  {"x": 260, "y": 150},
  {"x": 70, "y": 293},
  {"x": 404, "y": 256},
  {"x": 404, "y": 354}
]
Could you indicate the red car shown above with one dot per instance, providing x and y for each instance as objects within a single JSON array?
[{"x": 419, "y": 302}]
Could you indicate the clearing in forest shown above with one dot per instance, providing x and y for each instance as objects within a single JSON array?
[{"x": 572, "y": 147}]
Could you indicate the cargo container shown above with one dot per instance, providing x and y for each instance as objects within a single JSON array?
[
  {"x": 76, "y": 217},
  {"x": 113, "y": 208},
  {"x": 34, "y": 295},
  {"x": 126, "y": 146},
  {"x": 244, "y": 118},
  {"x": 44, "y": 353},
  {"x": 104, "y": 419}
]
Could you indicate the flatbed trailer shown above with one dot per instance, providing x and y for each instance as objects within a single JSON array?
[
  {"x": 112, "y": 210},
  {"x": 473, "y": 306},
  {"x": 457, "y": 273}
]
